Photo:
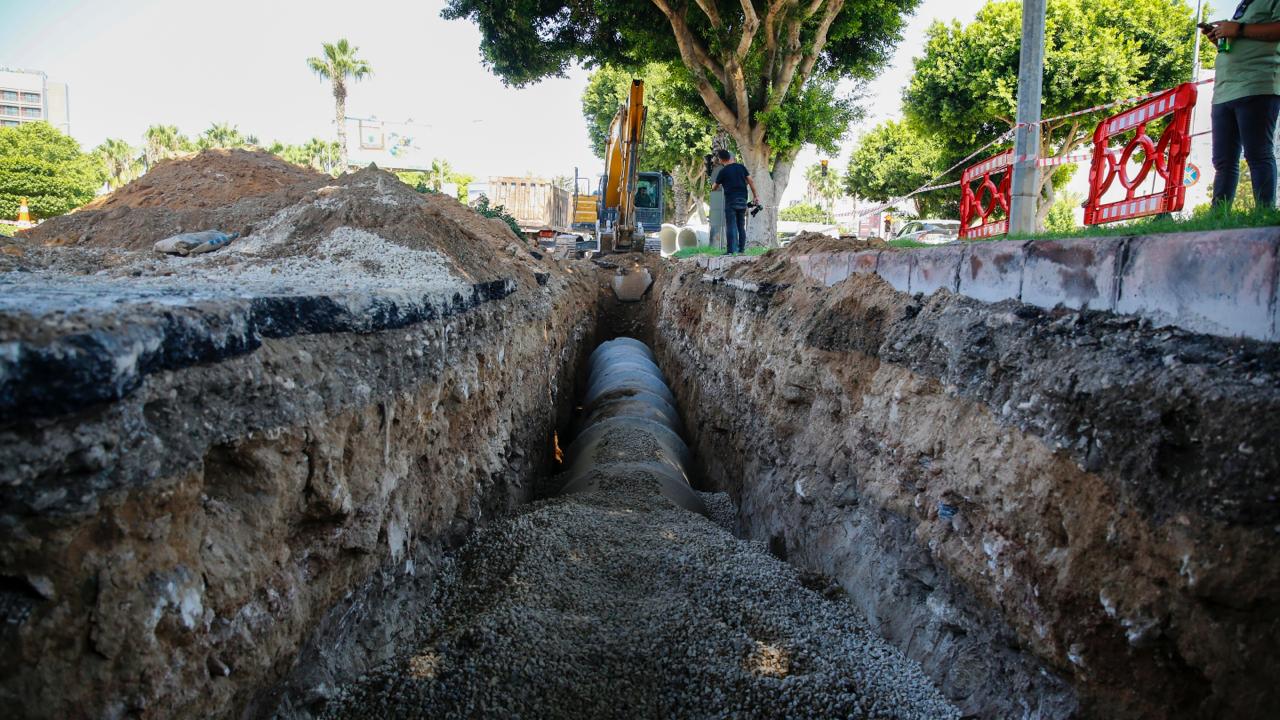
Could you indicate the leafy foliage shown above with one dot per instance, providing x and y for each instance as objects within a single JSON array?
[
  {"x": 497, "y": 211},
  {"x": 47, "y": 168},
  {"x": 766, "y": 74},
  {"x": 162, "y": 142},
  {"x": 805, "y": 212},
  {"x": 1061, "y": 217},
  {"x": 120, "y": 161},
  {"x": 221, "y": 135},
  {"x": 891, "y": 160},
  {"x": 963, "y": 93}
]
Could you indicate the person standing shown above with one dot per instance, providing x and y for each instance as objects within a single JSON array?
[
  {"x": 1246, "y": 100},
  {"x": 735, "y": 179}
]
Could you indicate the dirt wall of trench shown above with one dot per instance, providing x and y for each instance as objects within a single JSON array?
[
  {"x": 230, "y": 537},
  {"x": 1057, "y": 514}
]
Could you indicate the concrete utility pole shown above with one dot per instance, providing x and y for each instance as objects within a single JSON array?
[{"x": 1025, "y": 190}]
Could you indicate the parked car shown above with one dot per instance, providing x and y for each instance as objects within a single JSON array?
[{"x": 930, "y": 232}]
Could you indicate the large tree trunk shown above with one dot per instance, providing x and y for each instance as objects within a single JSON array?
[
  {"x": 681, "y": 190},
  {"x": 340, "y": 118},
  {"x": 771, "y": 182}
]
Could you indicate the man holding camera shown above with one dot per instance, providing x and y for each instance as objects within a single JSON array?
[
  {"x": 735, "y": 180},
  {"x": 1246, "y": 99}
]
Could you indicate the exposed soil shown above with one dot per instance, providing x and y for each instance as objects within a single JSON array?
[
  {"x": 810, "y": 242},
  {"x": 1015, "y": 496}
]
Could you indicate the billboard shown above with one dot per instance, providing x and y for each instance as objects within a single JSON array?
[{"x": 390, "y": 145}]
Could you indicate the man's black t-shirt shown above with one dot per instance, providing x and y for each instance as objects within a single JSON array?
[{"x": 733, "y": 178}]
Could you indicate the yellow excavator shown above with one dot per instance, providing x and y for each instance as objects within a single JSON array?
[{"x": 617, "y": 227}]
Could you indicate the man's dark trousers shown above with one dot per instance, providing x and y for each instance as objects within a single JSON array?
[
  {"x": 735, "y": 227},
  {"x": 1247, "y": 123}
]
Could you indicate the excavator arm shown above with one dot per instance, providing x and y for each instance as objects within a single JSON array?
[{"x": 622, "y": 166}]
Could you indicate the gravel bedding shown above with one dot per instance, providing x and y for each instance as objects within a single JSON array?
[{"x": 617, "y": 604}]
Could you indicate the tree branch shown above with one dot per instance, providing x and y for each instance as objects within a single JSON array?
[
  {"x": 697, "y": 59},
  {"x": 750, "y": 24},
  {"x": 712, "y": 14},
  {"x": 820, "y": 40}
]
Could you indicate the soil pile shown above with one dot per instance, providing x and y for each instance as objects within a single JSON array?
[
  {"x": 810, "y": 242},
  {"x": 365, "y": 226},
  {"x": 210, "y": 179}
]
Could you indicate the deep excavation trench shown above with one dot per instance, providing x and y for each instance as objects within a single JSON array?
[{"x": 884, "y": 506}]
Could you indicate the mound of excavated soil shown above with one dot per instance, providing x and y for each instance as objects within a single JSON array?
[
  {"x": 367, "y": 226},
  {"x": 210, "y": 179},
  {"x": 811, "y": 242}
]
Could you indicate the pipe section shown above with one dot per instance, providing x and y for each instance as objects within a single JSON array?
[{"x": 631, "y": 428}]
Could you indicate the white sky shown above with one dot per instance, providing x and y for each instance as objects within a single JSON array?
[{"x": 133, "y": 63}]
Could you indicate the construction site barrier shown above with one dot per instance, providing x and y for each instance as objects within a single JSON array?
[
  {"x": 1167, "y": 157},
  {"x": 972, "y": 207}
]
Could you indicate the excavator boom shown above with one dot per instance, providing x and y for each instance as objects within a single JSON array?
[{"x": 622, "y": 166}]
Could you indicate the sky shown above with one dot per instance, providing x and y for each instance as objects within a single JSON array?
[{"x": 130, "y": 64}]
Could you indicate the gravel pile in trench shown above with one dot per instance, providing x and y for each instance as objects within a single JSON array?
[{"x": 617, "y": 604}]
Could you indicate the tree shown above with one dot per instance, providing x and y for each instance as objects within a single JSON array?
[
  {"x": 805, "y": 212},
  {"x": 462, "y": 180},
  {"x": 765, "y": 70},
  {"x": 439, "y": 174},
  {"x": 120, "y": 162},
  {"x": 323, "y": 155},
  {"x": 823, "y": 183},
  {"x": 221, "y": 135},
  {"x": 162, "y": 142},
  {"x": 892, "y": 160},
  {"x": 678, "y": 130},
  {"x": 47, "y": 168},
  {"x": 339, "y": 64},
  {"x": 964, "y": 89}
]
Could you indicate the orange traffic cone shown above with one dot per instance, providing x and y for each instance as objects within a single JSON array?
[{"x": 24, "y": 215}]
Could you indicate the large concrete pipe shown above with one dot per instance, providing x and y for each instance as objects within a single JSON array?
[
  {"x": 692, "y": 236},
  {"x": 631, "y": 429},
  {"x": 668, "y": 234}
]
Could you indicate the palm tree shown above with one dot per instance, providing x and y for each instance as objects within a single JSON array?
[
  {"x": 163, "y": 142},
  {"x": 119, "y": 160},
  {"x": 338, "y": 64},
  {"x": 221, "y": 135},
  {"x": 825, "y": 186},
  {"x": 462, "y": 180},
  {"x": 439, "y": 174},
  {"x": 323, "y": 155}
]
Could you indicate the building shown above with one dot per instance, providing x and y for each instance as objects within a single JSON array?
[{"x": 28, "y": 96}]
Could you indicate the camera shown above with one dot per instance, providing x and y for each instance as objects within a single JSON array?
[{"x": 755, "y": 208}]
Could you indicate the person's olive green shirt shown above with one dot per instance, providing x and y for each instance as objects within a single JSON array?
[{"x": 1253, "y": 66}]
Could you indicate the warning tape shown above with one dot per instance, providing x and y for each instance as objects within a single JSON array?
[{"x": 1040, "y": 162}]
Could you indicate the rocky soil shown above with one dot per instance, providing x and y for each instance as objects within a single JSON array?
[
  {"x": 226, "y": 481},
  {"x": 1057, "y": 514}
]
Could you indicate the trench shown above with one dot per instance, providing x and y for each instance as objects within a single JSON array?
[{"x": 728, "y": 496}]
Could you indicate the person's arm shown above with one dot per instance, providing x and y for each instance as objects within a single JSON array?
[
  {"x": 715, "y": 187},
  {"x": 751, "y": 184},
  {"x": 1266, "y": 32}
]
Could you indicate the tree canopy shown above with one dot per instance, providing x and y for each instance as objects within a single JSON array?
[
  {"x": 963, "y": 92},
  {"x": 892, "y": 160},
  {"x": 47, "y": 168},
  {"x": 805, "y": 212},
  {"x": 766, "y": 71}
]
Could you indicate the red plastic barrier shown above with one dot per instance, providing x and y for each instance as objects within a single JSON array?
[
  {"x": 972, "y": 206},
  {"x": 1167, "y": 157}
]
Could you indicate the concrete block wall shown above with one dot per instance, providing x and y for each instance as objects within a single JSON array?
[{"x": 1224, "y": 283}]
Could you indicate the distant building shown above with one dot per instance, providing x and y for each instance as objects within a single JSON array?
[{"x": 28, "y": 96}]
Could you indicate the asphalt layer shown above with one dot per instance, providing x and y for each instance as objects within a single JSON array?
[{"x": 617, "y": 604}]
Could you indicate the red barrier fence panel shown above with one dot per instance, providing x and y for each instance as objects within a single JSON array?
[
  {"x": 996, "y": 174},
  {"x": 1167, "y": 157}
]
